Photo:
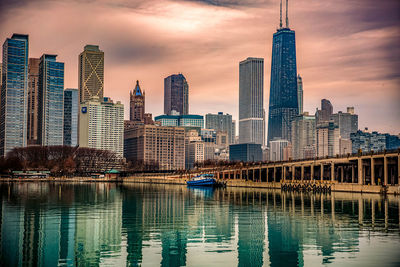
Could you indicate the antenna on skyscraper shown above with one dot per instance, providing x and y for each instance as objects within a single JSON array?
[
  {"x": 287, "y": 18},
  {"x": 280, "y": 23}
]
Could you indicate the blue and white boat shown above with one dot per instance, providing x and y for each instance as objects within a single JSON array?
[{"x": 202, "y": 180}]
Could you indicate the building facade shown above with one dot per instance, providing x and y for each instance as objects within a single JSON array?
[
  {"x": 137, "y": 104},
  {"x": 300, "y": 93},
  {"x": 33, "y": 89},
  {"x": 277, "y": 149},
  {"x": 188, "y": 121},
  {"x": 367, "y": 142},
  {"x": 51, "y": 101},
  {"x": 221, "y": 122},
  {"x": 14, "y": 94},
  {"x": 283, "y": 99},
  {"x": 71, "y": 110},
  {"x": 251, "y": 101},
  {"x": 303, "y": 134},
  {"x": 101, "y": 125},
  {"x": 245, "y": 152},
  {"x": 324, "y": 114},
  {"x": 176, "y": 95},
  {"x": 347, "y": 122},
  {"x": 151, "y": 144},
  {"x": 327, "y": 139},
  {"x": 91, "y": 73}
]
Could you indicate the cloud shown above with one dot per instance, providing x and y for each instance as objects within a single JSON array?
[{"x": 347, "y": 50}]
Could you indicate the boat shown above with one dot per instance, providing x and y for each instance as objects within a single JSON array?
[{"x": 203, "y": 180}]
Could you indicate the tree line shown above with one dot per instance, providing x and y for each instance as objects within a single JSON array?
[{"x": 60, "y": 160}]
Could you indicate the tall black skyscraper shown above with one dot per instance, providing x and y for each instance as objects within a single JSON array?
[
  {"x": 176, "y": 95},
  {"x": 283, "y": 103}
]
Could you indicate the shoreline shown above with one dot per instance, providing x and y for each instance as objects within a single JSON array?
[{"x": 179, "y": 180}]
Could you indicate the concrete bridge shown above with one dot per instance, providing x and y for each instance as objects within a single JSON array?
[{"x": 372, "y": 173}]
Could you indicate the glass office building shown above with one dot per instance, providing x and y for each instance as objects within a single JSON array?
[
  {"x": 196, "y": 121},
  {"x": 71, "y": 117},
  {"x": 251, "y": 101},
  {"x": 51, "y": 101},
  {"x": 245, "y": 152},
  {"x": 14, "y": 93},
  {"x": 176, "y": 95},
  {"x": 283, "y": 98}
]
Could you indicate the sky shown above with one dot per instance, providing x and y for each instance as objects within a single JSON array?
[{"x": 347, "y": 50}]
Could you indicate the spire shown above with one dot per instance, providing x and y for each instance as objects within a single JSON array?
[
  {"x": 287, "y": 18},
  {"x": 138, "y": 91},
  {"x": 280, "y": 21}
]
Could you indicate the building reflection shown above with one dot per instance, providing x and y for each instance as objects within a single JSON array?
[{"x": 54, "y": 224}]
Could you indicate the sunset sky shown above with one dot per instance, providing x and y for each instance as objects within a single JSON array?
[{"x": 348, "y": 51}]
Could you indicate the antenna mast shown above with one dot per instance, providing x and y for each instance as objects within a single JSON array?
[
  {"x": 280, "y": 23},
  {"x": 287, "y": 18}
]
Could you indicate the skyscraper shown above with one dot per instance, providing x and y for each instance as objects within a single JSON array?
[
  {"x": 303, "y": 135},
  {"x": 91, "y": 73},
  {"x": 137, "y": 101},
  {"x": 50, "y": 101},
  {"x": 14, "y": 93},
  {"x": 347, "y": 122},
  {"x": 101, "y": 125},
  {"x": 251, "y": 101},
  {"x": 33, "y": 89},
  {"x": 327, "y": 140},
  {"x": 325, "y": 113},
  {"x": 221, "y": 122},
  {"x": 176, "y": 95},
  {"x": 283, "y": 99},
  {"x": 300, "y": 93},
  {"x": 71, "y": 109}
]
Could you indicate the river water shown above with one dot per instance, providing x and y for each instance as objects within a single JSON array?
[{"x": 107, "y": 224}]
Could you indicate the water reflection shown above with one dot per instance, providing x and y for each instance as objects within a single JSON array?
[{"x": 68, "y": 224}]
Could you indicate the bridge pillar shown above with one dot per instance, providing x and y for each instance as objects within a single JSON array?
[
  {"x": 385, "y": 170},
  {"x": 341, "y": 174},
  {"x": 322, "y": 172},
  {"x": 332, "y": 172},
  {"x": 274, "y": 174},
  {"x": 293, "y": 172},
  {"x": 267, "y": 174},
  {"x": 352, "y": 174},
  {"x": 284, "y": 173},
  {"x": 302, "y": 173},
  {"x": 360, "y": 172},
  {"x": 259, "y": 177},
  {"x": 372, "y": 171},
  {"x": 312, "y": 172}
]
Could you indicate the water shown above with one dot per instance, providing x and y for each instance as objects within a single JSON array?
[{"x": 78, "y": 224}]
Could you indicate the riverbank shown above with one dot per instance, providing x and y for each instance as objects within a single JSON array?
[{"x": 181, "y": 180}]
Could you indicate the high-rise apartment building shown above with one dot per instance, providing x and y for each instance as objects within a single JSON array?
[
  {"x": 33, "y": 100},
  {"x": 300, "y": 93},
  {"x": 283, "y": 98},
  {"x": 221, "y": 122},
  {"x": 137, "y": 104},
  {"x": 251, "y": 101},
  {"x": 347, "y": 122},
  {"x": 176, "y": 95},
  {"x": 324, "y": 114},
  {"x": 194, "y": 149},
  {"x": 101, "y": 125},
  {"x": 303, "y": 134},
  {"x": 151, "y": 144},
  {"x": 277, "y": 149},
  {"x": 91, "y": 73},
  {"x": 71, "y": 110},
  {"x": 367, "y": 142},
  {"x": 50, "y": 101},
  {"x": 14, "y": 94},
  {"x": 327, "y": 139}
]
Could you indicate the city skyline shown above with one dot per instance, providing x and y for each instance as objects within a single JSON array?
[{"x": 361, "y": 55}]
